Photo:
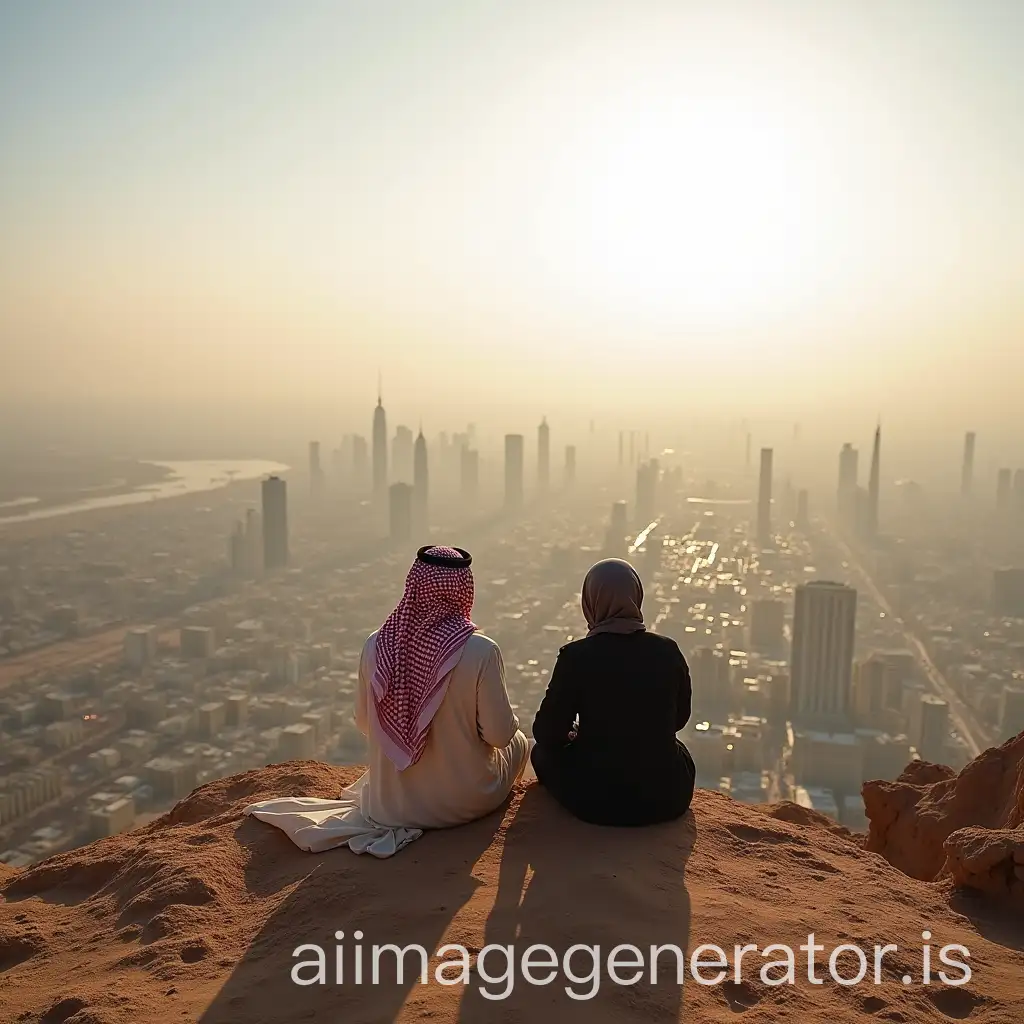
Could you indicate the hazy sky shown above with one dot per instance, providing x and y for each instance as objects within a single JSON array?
[{"x": 800, "y": 203}]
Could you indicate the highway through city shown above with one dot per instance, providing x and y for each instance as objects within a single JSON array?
[{"x": 963, "y": 718}]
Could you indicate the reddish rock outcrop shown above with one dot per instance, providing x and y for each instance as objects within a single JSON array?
[
  {"x": 911, "y": 818},
  {"x": 988, "y": 860}
]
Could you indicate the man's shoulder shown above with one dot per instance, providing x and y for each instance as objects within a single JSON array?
[{"x": 481, "y": 645}]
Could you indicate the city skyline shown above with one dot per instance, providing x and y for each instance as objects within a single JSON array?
[{"x": 810, "y": 194}]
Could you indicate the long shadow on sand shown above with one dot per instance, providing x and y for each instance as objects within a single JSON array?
[
  {"x": 411, "y": 899},
  {"x": 581, "y": 884}
]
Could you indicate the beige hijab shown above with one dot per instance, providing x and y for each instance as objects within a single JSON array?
[{"x": 612, "y": 596}]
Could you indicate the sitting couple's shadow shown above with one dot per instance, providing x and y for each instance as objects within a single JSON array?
[
  {"x": 560, "y": 883},
  {"x": 563, "y": 883}
]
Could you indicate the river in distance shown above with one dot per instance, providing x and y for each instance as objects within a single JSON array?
[{"x": 182, "y": 478}]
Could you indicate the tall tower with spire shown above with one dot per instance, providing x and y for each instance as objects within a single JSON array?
[
  {"x": 420, "y": 490},
  {"x": 543, "y": 455},
  {"x": 380, "y": 450},
  {"x": 871, "y": 525}
]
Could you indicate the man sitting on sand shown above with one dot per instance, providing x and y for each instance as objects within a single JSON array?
[{"x": 444, "y": 743}]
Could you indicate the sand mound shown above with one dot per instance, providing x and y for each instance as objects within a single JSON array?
[
  {"x": 912, "y": 818},
  {"x": 195, "y": 917},
  {"x": 786, "y": 810}
]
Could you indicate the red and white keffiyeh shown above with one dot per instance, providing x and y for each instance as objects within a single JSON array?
[{"x": 419, "y": 643}]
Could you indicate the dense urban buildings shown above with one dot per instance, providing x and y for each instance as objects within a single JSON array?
[{"x": 156, "y": 646}]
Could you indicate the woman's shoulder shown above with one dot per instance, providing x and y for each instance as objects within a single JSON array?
[{"x": 661, "y": 643}]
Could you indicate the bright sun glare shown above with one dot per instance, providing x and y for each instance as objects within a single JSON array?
[{"x": 706, "y": 210}]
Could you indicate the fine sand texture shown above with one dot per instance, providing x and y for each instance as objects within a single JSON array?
[{"x": 195, "y": 916}]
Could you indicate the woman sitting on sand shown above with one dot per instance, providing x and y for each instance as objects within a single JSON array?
[
  {"x": 605, "y": 732},
  {"x": 444, "y": 742}
]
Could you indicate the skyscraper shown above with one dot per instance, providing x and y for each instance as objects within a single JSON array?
[
  {"x": 345, "y": 451},
  {"x": 236, "y": 549},
  {"x": 275, "y": 523},
  {"x": 570, "y": 465},
  {"x": 647, "y": 475},
  {"x": 869, "y": 690},
  {"x": 360, "y": 461},
  {"x": 788, "y": 500},
  {"x": 621, "y": 439},
  {"x": 380, "y": 451},
  {"x": 401, "y": 454},
  {"x": 764, "y": 499},
  {"x": 967, "y": 469},
  {"x": 653, "y": 549},
  {"x": 400, "y": 512},
  {"x": 469, "y": 474},
  {"x": 847, "y": 494},
  {"x": 543, "y": 455},
  {"x": 1011, "y": 711},
  {"x": 253, "y": 542},
  {"x": 1018, "y": 491},
  {"x": 871, "y": 518},
  {"x": 802, "y": 511},
  {"x": 821, "y": 665},
  {"x": 930, "y": 731},
  {"x": 615, "y": 542},
  {"x": 1003, "y": 489},
  {"x": 767, "y": 626},
  {"x": 513, "y": 470},
  {"x": 420, "y": 489},
  {"x": 316, "y": 472}
]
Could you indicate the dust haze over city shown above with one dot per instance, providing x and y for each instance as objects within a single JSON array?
[{"x": 288, "y": 291}]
